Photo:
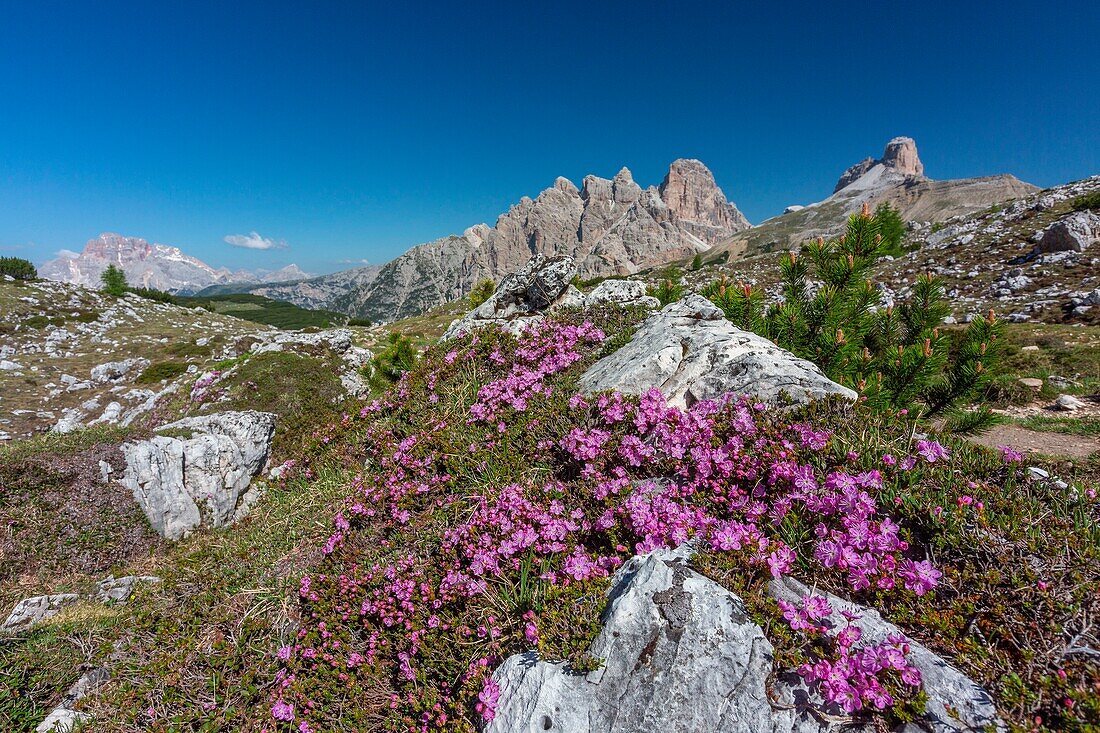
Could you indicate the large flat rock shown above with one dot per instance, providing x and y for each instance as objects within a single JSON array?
[{"x": 690, "y": 352}]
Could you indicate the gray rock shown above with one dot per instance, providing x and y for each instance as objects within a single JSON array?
[
  {"x": 690, "y": 352},
  {"x": 680, "y": 655},
  {"x": 182, "y": 483},
  {"x": 118, "y": 590},
  {"x": 114, "y": 370},
  {"x": 63, "y": 719},
  {"x": 1068, "y": 403},
  {"x": 522, "y": 297},
  {"x": 31, "y": 611},
  {"x": 1073, "y": 233},
  {"x": 621, "y": 292}
]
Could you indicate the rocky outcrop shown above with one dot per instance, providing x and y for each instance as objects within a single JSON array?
[
  {"x": 33, "y": 611},
  {"x": 1073, "y": 233},
  {"x": 182, "y": 483},
  {"x": 690, "y": 352},
  {"x": 541, "y": 285},
  {"x": 608, "y": 226},
  {"x": 900, "y": 156},
  {"x": 681, "y": 655},
  {"x": 955, "y": 702}
]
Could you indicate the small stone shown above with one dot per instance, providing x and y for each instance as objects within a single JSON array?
[
  {"x": 1029, "y": 347},
  {"x": 1031, "y": 383},
  {"x": 1068, "y": 403}
]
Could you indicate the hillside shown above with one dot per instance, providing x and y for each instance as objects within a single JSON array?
[
  {"x": 449, "y": 553},
  {"x": 897, "y": 178}
]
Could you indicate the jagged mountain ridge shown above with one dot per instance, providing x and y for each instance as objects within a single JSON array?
[
  {"x": 896, "y": 178},
  {"x": 610, "y": 226},
  {"x": 158, "y": 266}
]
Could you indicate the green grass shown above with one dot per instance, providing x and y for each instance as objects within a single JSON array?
[
  {"x": 265, "y": 310},
  {"x": 156, "y": 373},
  {"x": 1064, "y": 351},
  {"x": 1088, "y": 426}
]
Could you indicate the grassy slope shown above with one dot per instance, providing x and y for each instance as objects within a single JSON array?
[
  {"x": 199, "y": 649},
  {"x": 228, "y": 602}
]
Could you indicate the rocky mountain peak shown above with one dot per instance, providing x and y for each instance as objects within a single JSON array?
[
  {"x": 692, "y": 195},
  {"x": 900, "y": 155},
  {"x": 109, "y": 245},
  {"x": 565, "y": 185}
]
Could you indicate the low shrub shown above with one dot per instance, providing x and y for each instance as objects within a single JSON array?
[
  {"x": 162, "y": 371},
  {"x": 481, "y": 292}
]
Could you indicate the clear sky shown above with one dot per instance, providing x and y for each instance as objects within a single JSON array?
[{"x": 353, "y": 130}]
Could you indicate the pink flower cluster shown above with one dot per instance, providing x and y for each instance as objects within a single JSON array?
[
  {"x": 854, "y": 677},
  {"x": 544, "y": 350},
  {"x": 626, "y": 475}
]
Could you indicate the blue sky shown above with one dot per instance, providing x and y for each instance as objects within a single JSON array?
[{"x": 354, "y": 130}]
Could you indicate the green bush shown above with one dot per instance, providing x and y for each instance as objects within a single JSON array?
[
  {"x": 114, "y": 280},
  {"x": 1086, "y": 201},
  {"x": 364, "y": 322},
  {"x": 897, "y": 357},
  {"x": 397, "y": 357},
  {"x": 481, "y": 292},
  {"x": 18, "y": 268},
  {"x": 155, "y": 373},
  {"x": 697, "y": 262}
]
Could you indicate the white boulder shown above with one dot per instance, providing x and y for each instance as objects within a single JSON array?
[
  {"x": 691, "y": 352},
  {"x": 204, "y": 479}
]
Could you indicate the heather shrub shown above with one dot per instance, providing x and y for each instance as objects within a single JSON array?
[
  {"x": 898, "y": 356},
  {"x": 497, "y": 503}
]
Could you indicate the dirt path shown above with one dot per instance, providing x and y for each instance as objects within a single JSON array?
[{"x": 1035, "y": 441}]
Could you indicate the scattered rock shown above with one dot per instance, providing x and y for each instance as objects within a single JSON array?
[
  {"x": 118, "y": 590},
  {"x": 63, "y": 719},
  {"x": 690, "y": 352},
  {"x": 113, "y": 371},
  {"x": 1031, "y": 383},
  {"x": 31, "y": 611},
  {"x": 621, "y": 292},
  {"x": 522, "y": 297},
  {"x": 1068, "y": 403},
  {"x": 181, "y": 484},
  {"x": 1073, "y": 233}
]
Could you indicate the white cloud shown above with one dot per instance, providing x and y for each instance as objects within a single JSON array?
[
  {"x": 354, "y": 262},
  {"x": 254, "y": 241},
  {"x": 67, "y": 254}
]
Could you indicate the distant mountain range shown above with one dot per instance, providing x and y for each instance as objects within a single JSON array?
[
  {"x": 158, "y": 266},
  {"x": 609, "y": 226}
]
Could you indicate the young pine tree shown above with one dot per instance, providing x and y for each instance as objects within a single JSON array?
[
  {"x": 896, "y": 356},
  {"x": 481, "y": 292},
  {"x": 18, "y": 268},
  {"x": 114, "y": 280}
]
